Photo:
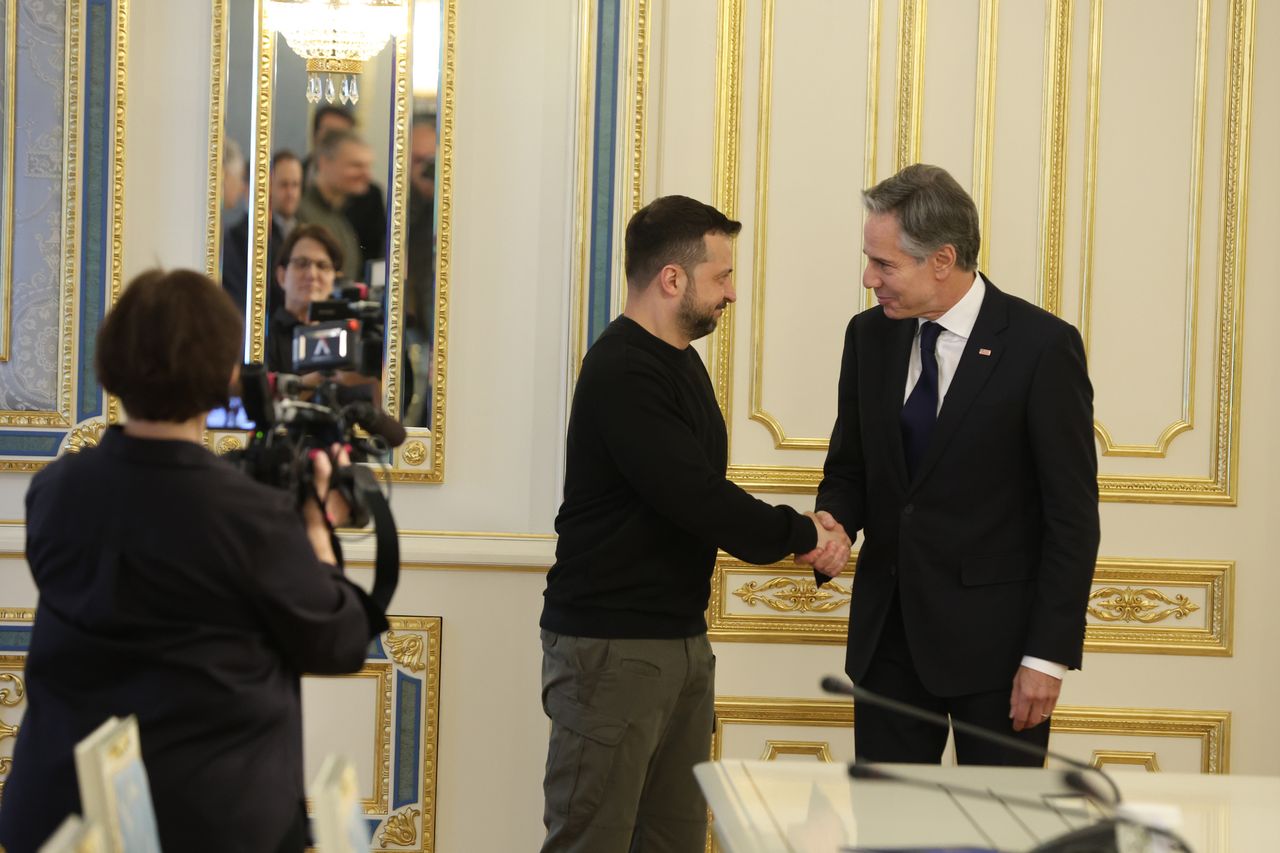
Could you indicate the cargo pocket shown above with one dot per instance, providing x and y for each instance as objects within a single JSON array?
[{"x": 580, "y": 757}]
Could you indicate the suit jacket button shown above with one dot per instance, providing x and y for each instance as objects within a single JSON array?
[{"x": 908, "y": 509}]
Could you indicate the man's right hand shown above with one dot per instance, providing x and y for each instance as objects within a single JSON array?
[{"x": 832, "y": 552}]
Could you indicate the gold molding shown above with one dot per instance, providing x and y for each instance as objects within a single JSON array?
[
  {"x": 397, "y": 223},
  {"x": 260, "y": 188},
  {"x": 798, "y": 614},
  {"x": 636, "y": 43},
  {"x": 1102, "y": 757},
  {"x": 755, "y": 399},
  {"x": 1215, "y": 578},
  {"x": 1186, "y": 418},
  {"x": 6, "y": 174},
  {"x": 380, "y": 672},
  {"x": 724, "y": 183},
  {"x": 984, "y": 123},
  {"x": 1053, "y": 131},
  {"x": 85, "y": 436},
  {"x": 217, "y": 108},
  {"x": 433, "y": 438},
  {"x": 911, "y": 46},
  {"x": 579, "y": 305},
  {"x": 1211, "y": 728},
  {"x": 810, "y": 627},
  {"x": 1219, "y": 487},
  {"x": 70, "y": 256},
  {"x": 819, "y": 749}
]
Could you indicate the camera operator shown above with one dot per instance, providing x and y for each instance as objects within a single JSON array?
[
  {"x": 306, "y": 269},
  {"x": 174, "y": 587}
]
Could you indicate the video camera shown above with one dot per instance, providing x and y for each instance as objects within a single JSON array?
[
  {"x": 285, "y": 428},
  {"x": 345, "y": 333}
]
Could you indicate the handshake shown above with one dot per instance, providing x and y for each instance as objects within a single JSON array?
[{"x": 832, "y": 552}]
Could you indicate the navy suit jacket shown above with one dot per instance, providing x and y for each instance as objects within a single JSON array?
[{"x": 992, "y": 544}]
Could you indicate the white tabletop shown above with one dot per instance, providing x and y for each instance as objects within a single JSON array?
[{"x": 804, "y": 807}]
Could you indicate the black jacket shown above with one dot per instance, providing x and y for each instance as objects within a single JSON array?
[
  {"x": 175, "y": 588},
  {"x": 992, "y": 545}
]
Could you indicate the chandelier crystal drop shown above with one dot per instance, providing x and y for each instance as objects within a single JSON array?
[{"x": 336, "y": 38}]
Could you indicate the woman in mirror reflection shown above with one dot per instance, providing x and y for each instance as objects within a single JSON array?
[
  {"x": 306, "y": 268},
  {"x": 175, "y": 588}
]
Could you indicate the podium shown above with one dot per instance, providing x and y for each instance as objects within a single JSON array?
[{"x": 809, "y": 807}]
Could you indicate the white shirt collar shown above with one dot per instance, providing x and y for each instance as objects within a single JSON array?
[{"x": 963, "y": 315}]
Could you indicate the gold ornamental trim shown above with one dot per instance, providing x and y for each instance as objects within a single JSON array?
[
  {"x": 400, "y": 828},
  {"x": 333, "y": 65},
  {"x": 217, "y": 115},
  {"x": 1113, "y": 604},
  {"x": 85, "y": 436},
  {"x": 406, "y": 650},
  {"x": 795, "y": 595},
  {"x": 11, "y": 698}
]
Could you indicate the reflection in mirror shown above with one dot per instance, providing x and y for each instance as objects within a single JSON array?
[
  {"x": 421, "y": 240},
  {"x": 237, "y": 136},
  {"x": 363, "y": 169}
]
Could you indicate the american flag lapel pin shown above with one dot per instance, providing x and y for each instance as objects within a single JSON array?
[{"x": 984, "y": 351}]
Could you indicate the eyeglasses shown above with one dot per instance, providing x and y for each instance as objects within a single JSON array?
[{"x": 303, "y": 264}]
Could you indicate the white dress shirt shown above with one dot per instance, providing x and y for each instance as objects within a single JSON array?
[{"x": 957, "y": 325}]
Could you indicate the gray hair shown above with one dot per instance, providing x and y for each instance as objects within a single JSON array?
[
  {"x": 932, "y": 211},
  {"x": 328, "y": 145},
  {"x": 232, "y": 156}
]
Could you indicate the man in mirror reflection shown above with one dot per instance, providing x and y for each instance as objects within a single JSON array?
[
  {"x": 365, "y": 208},
  {"x": 286, "y": 194},
  {"x": 420, "y": 268},
  {"x": 342, "y": 164}
]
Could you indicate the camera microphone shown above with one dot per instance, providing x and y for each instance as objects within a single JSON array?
[{"x": 378, "y": 423}]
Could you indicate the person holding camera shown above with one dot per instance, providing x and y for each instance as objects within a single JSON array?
[
  {"x": 310, "y": 260},
  {"x": 175, "y": 588}
]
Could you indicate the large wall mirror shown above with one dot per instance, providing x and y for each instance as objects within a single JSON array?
[{"x": 331, "y": 194}]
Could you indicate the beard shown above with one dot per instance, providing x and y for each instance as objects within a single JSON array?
[{"x": 695, "y": 321}]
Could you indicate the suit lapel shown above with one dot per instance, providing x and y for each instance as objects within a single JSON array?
[
  {"x": 901, "y": 335},
  {"x": 981, "y": 354}
]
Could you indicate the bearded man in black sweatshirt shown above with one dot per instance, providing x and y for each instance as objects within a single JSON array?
[{"x": 628, "y": 677}]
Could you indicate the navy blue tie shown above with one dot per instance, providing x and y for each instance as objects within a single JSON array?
[{"x": 920, "y": 412}]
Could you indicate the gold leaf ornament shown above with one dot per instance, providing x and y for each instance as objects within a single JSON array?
[
  {"x": 406, "y": 650},
  {"x": 401, "y": 828},
  {"x": 793, "y": 595},
  {"x": 1146, "y": 605}
]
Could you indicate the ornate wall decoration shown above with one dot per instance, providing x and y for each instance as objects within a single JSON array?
[
  {"x": 67, "y": 203},
  {"x": 1146, "y": 760},
  {"x": 777, "y": 604},
  {"x": 1147, "y": 605},
  {"x": 85, "y": 436},
  {"x": 405, "y": 733},
  {"x": 795, "y": 595},
  {"x": 401, "y": 829},
  {"x": 818, "y": 749},
  {"x": 1137, "y": 606}
]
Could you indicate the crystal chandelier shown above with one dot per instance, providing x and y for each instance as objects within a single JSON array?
[{"x": 336, "y": 38}]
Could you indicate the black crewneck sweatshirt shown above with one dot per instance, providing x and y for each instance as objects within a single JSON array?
[{"x": 646, "y": 502}]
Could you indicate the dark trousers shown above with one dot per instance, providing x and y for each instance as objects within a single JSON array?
[
  {"x": 629, "y": 719},
  {"x": 881, "y": 735}
]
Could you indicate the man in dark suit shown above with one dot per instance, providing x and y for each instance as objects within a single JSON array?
[{"x": 963, "y": 449}]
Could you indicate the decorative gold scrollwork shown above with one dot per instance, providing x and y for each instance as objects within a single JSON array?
[
  {"x": 8, "y": 698},
  {"x": 406, "y": 650},
  {"x": 794, "y": 595},
  {"x": 87, "y": 435},
  {"x": 7, "y": 731},
  {"x": 401, "y": 828},
  {"x": 1113, "y": 604}
]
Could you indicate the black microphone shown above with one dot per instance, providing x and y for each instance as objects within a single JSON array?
[
  {"x": 1079, "y": 779},
  {"x": 378, "y": 423}
]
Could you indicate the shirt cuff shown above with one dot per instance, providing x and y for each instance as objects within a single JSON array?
[{"x": 1048, "y": 667}]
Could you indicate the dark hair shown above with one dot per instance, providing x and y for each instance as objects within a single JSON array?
[
  {"x": 169, "y": 345},
  {"x": 330, "y": 110},
  {"x": 320, "y": 234},
  {"x": 932, "y": 211},
  {"x": 282, "y": 155},
  {"x": 426, "y": 117},
  {"x": 327, "y": 146},
  {"x": 670, "y": 230}
]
